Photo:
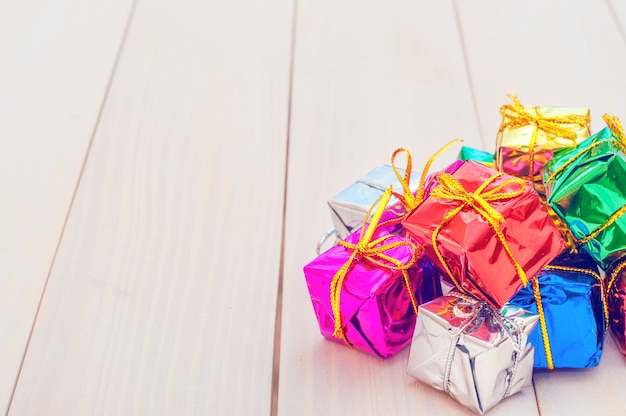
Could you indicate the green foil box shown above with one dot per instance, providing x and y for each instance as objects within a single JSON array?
[{"x": 586, "y": 187}]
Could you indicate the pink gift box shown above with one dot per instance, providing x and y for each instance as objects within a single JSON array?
[{"x": 376, "y": 309}]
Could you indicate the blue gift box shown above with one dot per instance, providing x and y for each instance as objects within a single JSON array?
[{"x": 572, "y": 294}]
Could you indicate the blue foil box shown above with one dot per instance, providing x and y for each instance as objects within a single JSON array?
[{"x": 574, "y": 311}]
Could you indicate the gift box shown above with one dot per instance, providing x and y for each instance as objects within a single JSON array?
[
  {"x": 366, "y": 289},
  {"x": 529, "y": 136},
  {"x": 488, "y": 231},
  {"x": 616, "y": 300},
  {"x": 585, "y": 187},
  {"x": 470, "y": 153},
  {"x": 348, "y": 208},
  {"x": 568, "y": 296},
  {"x": 473, "y": 352}
]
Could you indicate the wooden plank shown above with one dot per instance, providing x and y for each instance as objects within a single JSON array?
[
  {"x": 618, "y": 12},
  {"x": 162, "y": 297},
  {"x": 368, "y": 78},
  {"x": 57, "y": 59},
  {"x": 569, "y": 53}
]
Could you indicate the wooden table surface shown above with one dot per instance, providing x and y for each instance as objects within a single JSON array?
[{"x": 165, "y": 167}]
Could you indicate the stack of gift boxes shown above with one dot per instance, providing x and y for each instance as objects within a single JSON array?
[{"x": 497, "y": 265}]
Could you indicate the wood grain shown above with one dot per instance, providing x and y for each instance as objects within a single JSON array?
[
  {"x": 368, "y": 78},
  {"x": 572, "y": 53},
  {"x": 57, "y": 59},
  {"x": 162, "y": 296}
]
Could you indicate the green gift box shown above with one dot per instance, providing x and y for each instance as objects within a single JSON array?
[{"x": 585, "y": 186}]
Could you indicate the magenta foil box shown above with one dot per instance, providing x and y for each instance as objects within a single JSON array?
[{"x": 375, "y": 306}]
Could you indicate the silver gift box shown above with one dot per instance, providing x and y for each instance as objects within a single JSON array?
[
  {"x": 471, "y": 351},
  {"x": 349, "y": 207}
]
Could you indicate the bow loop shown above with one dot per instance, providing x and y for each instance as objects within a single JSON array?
[
  {"x": 409, "y": 200},
  {"x": 616, "y": 127}
]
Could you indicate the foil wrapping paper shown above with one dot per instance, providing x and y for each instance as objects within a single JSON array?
[
  {"x": 573, "y": 307},
  {"x": 470, "y": 153},
  {"x": 513, "y": 143},
  {"x": 587, "y": 189},
  {"x": 471, "y": 351},
  {"x": 468, "y": 243},
  {"x": 375, "y": 305},
  {"x": 349, "y": 207}
]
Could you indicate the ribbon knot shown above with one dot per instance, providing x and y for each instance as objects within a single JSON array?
[
  {"x": 515, "y": 115},
  {"x": 451, "y": 189},
  {"x": 373, "y": 251}
]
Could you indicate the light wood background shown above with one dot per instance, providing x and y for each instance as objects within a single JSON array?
[{"x": 165, "y": 165}]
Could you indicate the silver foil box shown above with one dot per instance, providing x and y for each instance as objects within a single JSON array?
[
  {"x": 471, "y": 351},
  {"x": 349, "y": 207}
]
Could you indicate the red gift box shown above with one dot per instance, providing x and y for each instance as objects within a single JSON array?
[{"x": 487, "y": 230}]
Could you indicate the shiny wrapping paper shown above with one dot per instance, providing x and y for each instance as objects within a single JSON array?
[
  {"x": 349, "y": 207},
  {"x": 586, "y": 187},
  {"x": 513, "y": 151},
  {"x": 375, "y": 306},
  {"x": 471, "y": 351},
  {"x": 617, "y": 305},
  {"x": 470, "y": 153},
  {"x": 468, "y": 243},
  {"x": 573, "y": 307}
]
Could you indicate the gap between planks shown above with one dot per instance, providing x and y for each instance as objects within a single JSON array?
[{"x": 73, "y": 198}]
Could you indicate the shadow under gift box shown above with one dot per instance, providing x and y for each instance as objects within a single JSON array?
[
  {"x": 471, "y": 351},
  {"x": 468, "y": 243},
  {"x": 573, "y": 305},
  {"x": 585, "y": 186},
  {"x": 375, "y": 306}
]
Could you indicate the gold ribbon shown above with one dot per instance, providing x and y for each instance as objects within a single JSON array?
[
  {"x": 450, "y": 188},
  {"x": 372, "y": 251},
  {"x": 516, "y": 115},
  {"x": 619, "y": 140},
  {"x": 542, "y": 317},
  {"x": 409, "y": 200}
]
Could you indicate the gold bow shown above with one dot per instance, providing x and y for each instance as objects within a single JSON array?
[
  {"x": 516, "y": 115},
  {"x": 372, "y": 251},
  {"x": 409, "y": 200},
  {"x": 450, "y": 188}
]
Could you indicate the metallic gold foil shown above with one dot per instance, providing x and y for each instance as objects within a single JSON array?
[
  {"x": 473, "y": 352},
  {"x": 514, "y": 153}
]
